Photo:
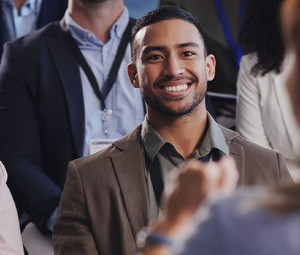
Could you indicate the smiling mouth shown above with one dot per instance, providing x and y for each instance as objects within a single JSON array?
[{"x": 177, "y": 88}]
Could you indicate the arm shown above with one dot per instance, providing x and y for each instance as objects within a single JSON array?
[
  {"x": 72, "y": 230},
  {"x": 21, "y": 144},
  {"x": 193, "y": 185},
  {"x": 249, "y": 120}
]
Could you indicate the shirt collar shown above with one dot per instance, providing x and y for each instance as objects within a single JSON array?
[
  {"x": 28, "y": 7},
  {"x": 152, "y": 140},
  {"x": 213, "y": 138},
  {"x": 84, "y": 36}
]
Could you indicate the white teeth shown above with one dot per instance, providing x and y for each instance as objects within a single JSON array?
[{"x": 176, "y": 88}]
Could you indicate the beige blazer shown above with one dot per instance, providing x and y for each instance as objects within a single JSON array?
[
  {"x": 105, "y": 202},
  {"x": 10, "y": 236},
  {"x": 264, "y": 114}
]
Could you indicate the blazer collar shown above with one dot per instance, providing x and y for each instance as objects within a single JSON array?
[
  {"x": 68, "y": 72},
  {"x": 236, "y": 151}
]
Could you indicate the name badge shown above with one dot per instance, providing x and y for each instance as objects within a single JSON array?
[{"x": 99, "y": 144}]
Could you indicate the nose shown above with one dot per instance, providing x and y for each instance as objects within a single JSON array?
[{"x": 173, "y": 66}]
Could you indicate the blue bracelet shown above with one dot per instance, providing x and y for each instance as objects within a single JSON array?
[{"x": 157, "y": 238}]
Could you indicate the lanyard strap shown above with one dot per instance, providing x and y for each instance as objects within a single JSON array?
[
  {"x": 112, "y": 76},
  {"x": 235, "y": 50}
]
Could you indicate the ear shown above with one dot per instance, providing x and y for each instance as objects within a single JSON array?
[
  {"x": 210, "y": 67},
  {"x": 132, "y": 73}
]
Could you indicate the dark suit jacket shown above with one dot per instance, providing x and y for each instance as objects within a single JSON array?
[
  {"x": 51, "y": 10},
  {"x": 104, "y": 203},
  {"x": 42, "y": 118}
]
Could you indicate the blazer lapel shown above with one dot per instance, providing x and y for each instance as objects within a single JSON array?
[
  {"x": 286, "y": 112},
  {"x": 236, "y": 151},
  {"x": 68, "y": 72},
  {"x": 130, "y": 171}
]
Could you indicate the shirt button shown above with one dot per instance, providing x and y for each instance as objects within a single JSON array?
[{"x": 109, "y": 112}]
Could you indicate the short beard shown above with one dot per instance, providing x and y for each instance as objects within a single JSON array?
[{"x": 156, "y": 105}]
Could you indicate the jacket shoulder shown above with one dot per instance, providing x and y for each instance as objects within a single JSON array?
[
  {"x": 130, "y": 143},
  {"x": 256, "y": 164},
  {"x": 233, "y": 137},
  {"x": 36, "y": 38}
]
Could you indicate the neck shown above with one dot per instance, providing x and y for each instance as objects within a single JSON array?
[
  {"x": 185, "y": 133},
  {"x": 18, "y": 4},
  {"x": 96, "y": 17}
]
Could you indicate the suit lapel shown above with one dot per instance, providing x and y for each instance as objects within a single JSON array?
[
  {"x": 286, "y": 111},
  {"x": 236, "y": 151},
  {"x": 68, "y": 72},
  {"x": 129, "y": 167}
]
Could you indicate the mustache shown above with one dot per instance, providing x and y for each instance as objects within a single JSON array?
[{"x": 168, "y": 78}]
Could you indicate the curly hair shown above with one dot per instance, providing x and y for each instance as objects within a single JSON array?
[{"x": 261, "y": 33}]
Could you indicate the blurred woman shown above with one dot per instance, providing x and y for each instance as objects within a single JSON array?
[{"x": 264, "y": 114}]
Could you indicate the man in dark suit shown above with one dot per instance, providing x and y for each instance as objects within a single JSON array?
[
  {"x": 49, "y": 113},
  {"x": 109, "y": 196},
  {"x": 48, "y": 11}
]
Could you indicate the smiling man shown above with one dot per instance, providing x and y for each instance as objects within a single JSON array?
[{"x": 109, "y": 196}]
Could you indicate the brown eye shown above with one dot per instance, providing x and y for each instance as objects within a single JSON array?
[
  {"x": 154, "y": 57},
  {"x": 188, "y": 53}
]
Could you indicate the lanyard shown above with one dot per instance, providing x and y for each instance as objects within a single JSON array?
[
  {"x": 112, "y": 76},
  {"x": 235, "y": 50}
]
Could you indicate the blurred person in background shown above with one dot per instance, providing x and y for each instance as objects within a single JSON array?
[
  {"x": 20, "y": 17},
  {"x": 264, "y": 114},
  {"x": 64, "y": 93}
]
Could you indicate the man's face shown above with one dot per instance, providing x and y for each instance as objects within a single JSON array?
[{"x": 171, "y": 68}]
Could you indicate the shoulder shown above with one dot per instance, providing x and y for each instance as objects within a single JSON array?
[
  {"x": 249, "y": 60},
  {"x": 256, "y": 164},
  {"x": 130, "y": 144},
  {"x": 36, "y": 39},
  {"x": 233, "y": 138}
]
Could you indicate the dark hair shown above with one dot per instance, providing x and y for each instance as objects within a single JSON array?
[
  {"x": 261, "y": 33},
  {"x": 159, "y": 14}
]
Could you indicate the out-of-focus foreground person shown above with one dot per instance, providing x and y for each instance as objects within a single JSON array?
[
  {"x": 258, "y": 221},
  {"x": 10, "y": 236},
  {"x": 20, "y": 17},
  {"x": 264, "y": 112}
]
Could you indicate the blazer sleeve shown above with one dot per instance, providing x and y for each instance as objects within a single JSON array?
[
  {"x": 20, "y": 148},
  {"x": 72, "y": 229},
  {"x": 10, "y": 236},
  {"x": 249, "y": 121}
]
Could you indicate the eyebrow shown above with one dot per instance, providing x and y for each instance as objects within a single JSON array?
[
  {"x": 187, "y": 44},
  {"x": 162, "y": 48}
]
